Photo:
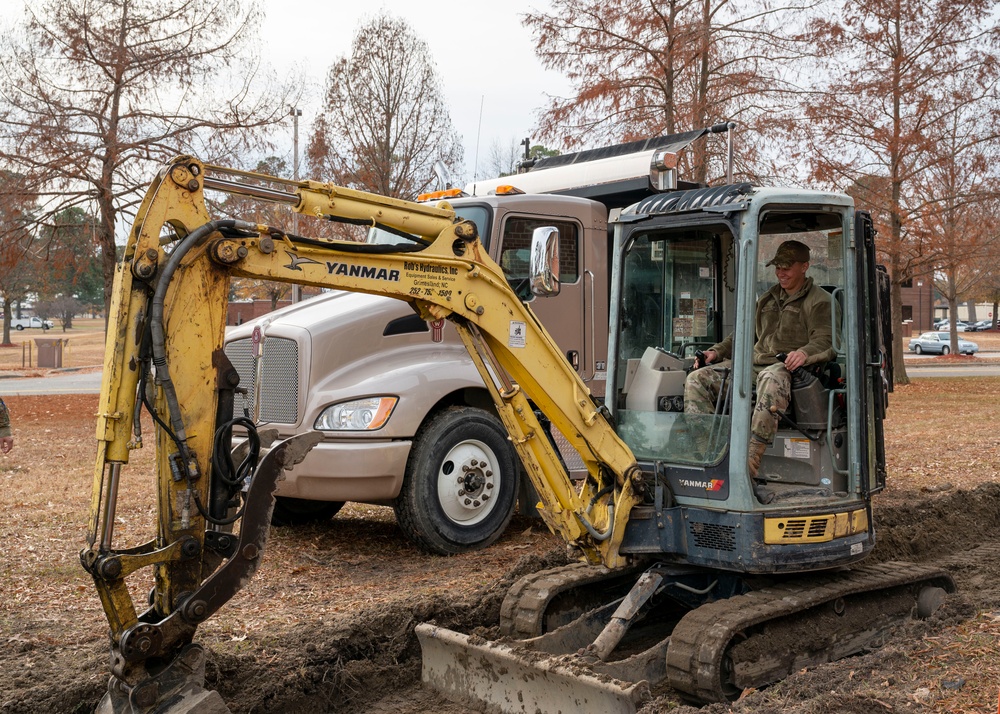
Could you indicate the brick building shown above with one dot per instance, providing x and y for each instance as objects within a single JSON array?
[
  {"x": 244, "y": 311},
  {"x": 920, "y": 308}
]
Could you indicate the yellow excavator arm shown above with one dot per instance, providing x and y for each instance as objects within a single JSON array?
[{"x": 165, "y": 352}]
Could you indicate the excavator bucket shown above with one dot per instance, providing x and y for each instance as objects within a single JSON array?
[{"x": 475, "y": 672}]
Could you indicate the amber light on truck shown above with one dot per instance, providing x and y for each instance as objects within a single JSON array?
[{"x": 356, "y": 415}]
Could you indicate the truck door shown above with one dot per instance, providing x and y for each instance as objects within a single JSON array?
[{"x": 577, "y": 324}]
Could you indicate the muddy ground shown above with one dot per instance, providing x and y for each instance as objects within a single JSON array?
[{"x": 328, "y": 626}]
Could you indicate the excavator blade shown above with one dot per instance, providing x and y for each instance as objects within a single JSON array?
[{"x": 475, "y": 672}]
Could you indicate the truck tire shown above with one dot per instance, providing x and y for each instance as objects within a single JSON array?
[
  {"x": 460, "y": 485},
  {"x": 298, "y": 511},
  {"x": 20, "y": 327}
]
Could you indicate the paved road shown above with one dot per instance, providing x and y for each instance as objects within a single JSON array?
[{"x": 68, "y": 383}]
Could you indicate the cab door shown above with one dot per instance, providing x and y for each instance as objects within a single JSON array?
[{"x": 874, "y": 344}]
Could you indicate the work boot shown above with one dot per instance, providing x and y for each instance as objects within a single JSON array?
[{"x": 754, "y": 455}]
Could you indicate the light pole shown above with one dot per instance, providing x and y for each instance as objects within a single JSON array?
[{"x": 295, "y": 113}]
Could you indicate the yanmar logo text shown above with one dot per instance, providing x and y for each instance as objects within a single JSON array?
[
  {"x": 362, "y": 271},
  {"x": 714, "y": 485},
  {"x": 351, "y": 270}
]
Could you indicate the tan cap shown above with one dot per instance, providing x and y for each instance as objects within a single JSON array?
[{"x": 791, "y": 251}]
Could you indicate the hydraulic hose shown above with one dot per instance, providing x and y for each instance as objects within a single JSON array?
[{"x": 157, "y": 332}]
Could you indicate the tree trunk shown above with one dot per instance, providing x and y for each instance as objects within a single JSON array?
[
  {"x": 6, "y": 322},
  {"x": 899, "y": 375},
  {"x": 953, "y": 318}
]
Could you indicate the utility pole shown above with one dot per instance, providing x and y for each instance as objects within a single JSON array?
[{"x": 295, "y": 113}]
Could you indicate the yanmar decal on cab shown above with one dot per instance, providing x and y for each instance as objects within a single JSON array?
[
  {"x": 699, "y": 484},
  {"x": 714, "y": 484}
]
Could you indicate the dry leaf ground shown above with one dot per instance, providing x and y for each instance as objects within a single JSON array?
[{"x": 327, "y": 624}]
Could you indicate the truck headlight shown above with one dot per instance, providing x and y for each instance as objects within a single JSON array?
[{"x": 356, "y": 415}]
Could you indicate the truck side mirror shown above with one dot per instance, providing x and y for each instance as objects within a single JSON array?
[{"x": 544, "y": 268}]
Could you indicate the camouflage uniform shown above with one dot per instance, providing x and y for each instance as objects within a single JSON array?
[
  {"x": 783, "y": 323},
  {"x": 4, "y": 420}
]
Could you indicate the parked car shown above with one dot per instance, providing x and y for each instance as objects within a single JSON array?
[
  {"x": 946, "y": 325},
  {"x": 939, "y": 343},
  {"x": 981, "y": 325}
]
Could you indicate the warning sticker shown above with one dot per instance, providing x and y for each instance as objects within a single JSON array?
[
  {"x": 517, "y": 334},
  {"x": 797, "y": 449}
]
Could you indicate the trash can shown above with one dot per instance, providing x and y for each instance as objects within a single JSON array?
[{"x": 50, "y": 351}]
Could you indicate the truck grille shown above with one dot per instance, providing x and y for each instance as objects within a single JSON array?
[{"x": 276, "y": 398}]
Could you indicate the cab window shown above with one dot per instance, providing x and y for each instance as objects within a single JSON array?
[{"x": 515, "y": 252}]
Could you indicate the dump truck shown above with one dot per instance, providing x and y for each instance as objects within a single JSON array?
[
  {"x": 330, "y": 360},
  {"x": 691, "y": 573}
]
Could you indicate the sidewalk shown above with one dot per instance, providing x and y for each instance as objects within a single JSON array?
[{"x": 982, "y": 358}]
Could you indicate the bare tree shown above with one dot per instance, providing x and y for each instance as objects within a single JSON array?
[
  {"x": 504, "y": 158},
  {"x": 96, "y": 93},
  {"x": 65, "y": 308},
  {"x": 960, "y": 197},
  {"x": 384, "y": 121},
  {"x": 877, "y": 126},
  {"x": 17, "y": 205},
  {"x": 647, "y": 67}
]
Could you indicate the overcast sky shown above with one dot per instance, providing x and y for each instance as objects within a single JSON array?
[
  {"x": 491, "y": 78},
  {"x": 484, "y": 57}
]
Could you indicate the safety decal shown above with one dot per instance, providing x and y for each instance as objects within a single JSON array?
[{"x": 517, "y": 334}]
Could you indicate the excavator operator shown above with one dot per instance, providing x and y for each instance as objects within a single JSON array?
[{"x": 792, "y": 317}]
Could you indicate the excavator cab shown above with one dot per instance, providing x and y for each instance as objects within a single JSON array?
[
  {"x": 689, "y": 269},
  {"x": 730, "y": 582}
]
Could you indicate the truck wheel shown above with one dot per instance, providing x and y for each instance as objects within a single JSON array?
[
  {"x": 460, "y": 484},
  {"x": 299, "y": 512},
  {"x": 20, "y": 327}
]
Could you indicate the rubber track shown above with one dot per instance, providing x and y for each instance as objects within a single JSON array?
[
  {"x": 701, "y": 639},
  {"x": 522, "y": 613}
]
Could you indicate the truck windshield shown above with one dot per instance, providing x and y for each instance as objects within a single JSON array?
[
  {"x": 670, "y": 289},
  {"x": 480, "y": 215}
]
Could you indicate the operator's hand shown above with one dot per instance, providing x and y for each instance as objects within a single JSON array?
[
  {"x": 795, "y": 359},
  {"x": 709, "y": 357},
  {"x": 6, "y": 444}
]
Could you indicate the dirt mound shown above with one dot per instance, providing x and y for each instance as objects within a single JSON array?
[{"x": 935, "y": 525}]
